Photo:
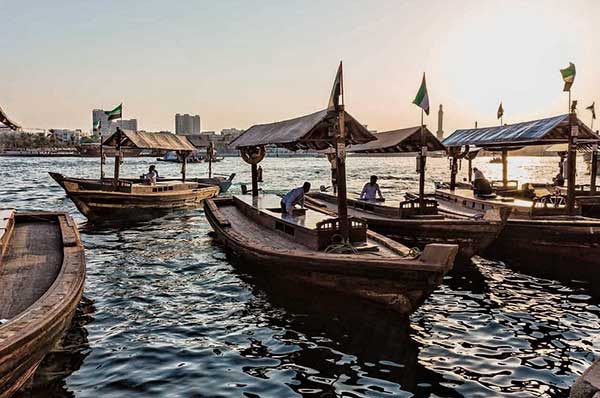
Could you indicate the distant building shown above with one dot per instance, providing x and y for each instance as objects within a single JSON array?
[
  {"x": 440, "y": 130},
  {"x": 65, "y": 136},
  {"x": 187, "y": 124},
  {"x": 126, "y": 124}
]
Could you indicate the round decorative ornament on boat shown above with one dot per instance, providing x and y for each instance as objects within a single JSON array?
[{"x": 253, "y": 154}]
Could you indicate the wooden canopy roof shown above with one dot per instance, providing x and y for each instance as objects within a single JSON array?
[
  {"x": 401, "y": 140},
  {"x": 537, "y": 132},
  {"x": 314, "y": 131},
  {"x": 7, "y": 122},
  {"x": 197, "y": 140},
  {"x": 143, "y": 140}
]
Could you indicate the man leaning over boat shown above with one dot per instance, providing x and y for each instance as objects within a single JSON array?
[{"x": 294, "y": 197}]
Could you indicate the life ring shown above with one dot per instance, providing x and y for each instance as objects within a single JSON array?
[{"x": 253, "y": 154}]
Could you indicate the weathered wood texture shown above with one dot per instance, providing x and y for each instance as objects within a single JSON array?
[
  {"x": 385, "y": 277},
  {"x": 42, "y": 278}
]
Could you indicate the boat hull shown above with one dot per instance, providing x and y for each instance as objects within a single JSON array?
[
  {"x": 401, "y": 285},
  {"x": 472, "y": 236},
  {"x": 101, "y": 205},
  {"x": 28, "y": 336}
]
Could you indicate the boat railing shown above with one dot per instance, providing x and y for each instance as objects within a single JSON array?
[
  {"x": 412, "y": 207},
  {"x": 498, "y": 185},
  {"x": 328, "y": 229}
]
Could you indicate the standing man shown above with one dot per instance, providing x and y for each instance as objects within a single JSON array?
[{"x": 371, "y": 190}]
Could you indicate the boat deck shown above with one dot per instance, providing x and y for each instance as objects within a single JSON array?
[
  {"x": 30, "y": 265},
  {"x": 277, "y": 239}
]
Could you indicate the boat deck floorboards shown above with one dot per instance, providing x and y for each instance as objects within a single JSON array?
[
  {"x": 239, "y": 221},
  {"x": 29, "y": 267}
]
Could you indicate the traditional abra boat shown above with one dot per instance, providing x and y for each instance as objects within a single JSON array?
[
  {"x": 308, "y": 247},
  {"x": 543, "y": 228},
  {"x": 126, "y": 199},
  {"x": 406, "y": 221},
  {"x": 42, "y": 275}
]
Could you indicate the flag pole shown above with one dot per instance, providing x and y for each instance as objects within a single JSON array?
[
  {"x": 101, "y": 155},
  {"x": 422, "y": 161}
]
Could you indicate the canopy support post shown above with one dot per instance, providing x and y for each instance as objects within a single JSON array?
[
  {"x": 342, "y": 199},
  {"x": 504, "y": 168},
  {"x": 101, "y": 158},
  {"x": 470, "y": 168},
  {"x": 117, "y": 158},
  {"x": 254, "y": 179},
  {"x": 594, "y": 170},
  {"x": 422, "y": 163},
  {"x": 453, "y": 172},
  {"x": 210, "y": 156},
  {"x": 184, "y": 155},
  {"x": 572, "y": 162}
]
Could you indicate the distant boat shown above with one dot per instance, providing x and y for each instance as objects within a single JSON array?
[
  {"x": 496, "y": 159},
  {"x": 41, "y": 283},
  {"x": 172, "y": 157},
  {"x": 118, "y": 199}
]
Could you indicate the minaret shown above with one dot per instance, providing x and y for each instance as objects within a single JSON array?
[{"x": 440, "y": 130}]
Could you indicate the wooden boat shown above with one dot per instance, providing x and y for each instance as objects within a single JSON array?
[
  {"x": 103, "y": 199},
  {"x": 408, "y": 222},
  {"x": 380, "y": 270},
  {"x": 544, "y": 231},
  {"x": 100, "y": 200},
  {"x": 472, "y": 235},
  {"x": 42, "y": 275}
]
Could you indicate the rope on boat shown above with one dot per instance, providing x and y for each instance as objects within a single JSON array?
[{"x": 341, "y": 246}]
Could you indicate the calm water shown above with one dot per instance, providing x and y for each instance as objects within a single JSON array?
[{"x": 166, "y": 314}]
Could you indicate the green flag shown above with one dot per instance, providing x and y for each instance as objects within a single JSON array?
[
  {"x": 500, "y": 112},
  {"x": 336, "y": 90},
  {"x": 422, "y": 98},
  {"x": 97, "y": 125},
  {"x": 116, "y": 113},
  {"x": 593, "y": 109},
  {"x": 568, "y": 75}
]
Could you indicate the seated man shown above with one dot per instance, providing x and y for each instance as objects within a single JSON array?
[
  {"x": 559, "y": 180},
  {"x": 481, "y": 185},
  {"x": 293, "y": 197},
  {"x": 371, "y": 190},
  {"x": 152, "y": 175}
]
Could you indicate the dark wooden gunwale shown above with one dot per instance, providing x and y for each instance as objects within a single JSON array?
[
  {"x": 27, "y": 338},
  {"x": 376, "y": 279},
  {"x": 472, "y": 236}
]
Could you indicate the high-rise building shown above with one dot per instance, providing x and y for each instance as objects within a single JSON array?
[{"x": 187, "y": 124}]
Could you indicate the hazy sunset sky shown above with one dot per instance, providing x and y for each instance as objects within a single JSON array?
[{"x": 237, "y": 63}]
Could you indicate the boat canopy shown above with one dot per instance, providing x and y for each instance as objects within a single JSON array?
[
  {"x": 143, "y": 140},
  {"x": 314, "y": 131},
  {"x": 402, "y": 140},
  {"x": 7, "y": 122},
  {"x": 537, "y": 132},
  {"x": 197, "y": 140}
]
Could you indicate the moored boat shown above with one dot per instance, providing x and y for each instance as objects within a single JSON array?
[
  {"x": 119, "y": 199},
  {"x": 379, "y": 270},
  {"x": 42, "y": 275},
  {"x": 473, "y": 235},
  {"x": 544, "y": 227},
  {"x": 307, "y": 247}
]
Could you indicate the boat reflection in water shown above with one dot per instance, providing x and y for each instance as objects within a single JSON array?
[{"x": 361, "y": 347}]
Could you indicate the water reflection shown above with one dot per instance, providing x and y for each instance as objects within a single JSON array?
[{"x": 64, "y": 359}]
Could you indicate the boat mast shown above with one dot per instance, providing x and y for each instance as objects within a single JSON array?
[
  {"x": 340, "y": 152},
  {"x": 118, "y": 157},
  {"x": 210, "y": 156},
  {"x": 422, "y": 162},
  {"x": 572, "y": 158}
]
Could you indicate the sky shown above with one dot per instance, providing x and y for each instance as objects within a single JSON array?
[{"x": 238, "y": 63}]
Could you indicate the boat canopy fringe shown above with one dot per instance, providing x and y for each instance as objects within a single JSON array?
[
  {"x": 7, "y": 122},
  {"x": 399, "y": 141},
  {"x": 315, "y": 131},
  {"x": 586, "y": 147},
  {"x": 143, "y": 140},
  {"x": 537, "y": 132}
]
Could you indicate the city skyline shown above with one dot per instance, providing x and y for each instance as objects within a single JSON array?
[{"x": 238, "y": 64}]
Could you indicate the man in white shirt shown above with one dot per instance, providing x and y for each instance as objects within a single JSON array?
[
  {"x": 152, "y": 175},
  {"x": 293, "y": 197},
  {"x": 371, "y": 190}
]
